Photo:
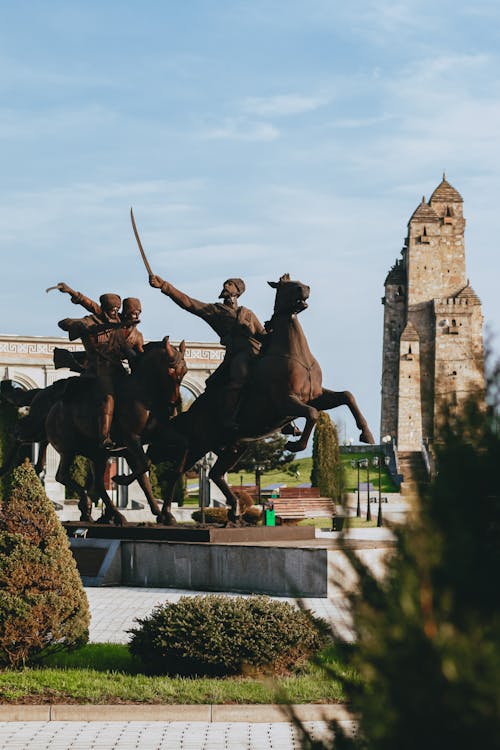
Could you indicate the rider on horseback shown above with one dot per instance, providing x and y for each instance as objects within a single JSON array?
[
  {"x": 107, "y": 342},
  {"x": 239, "y": 329}
]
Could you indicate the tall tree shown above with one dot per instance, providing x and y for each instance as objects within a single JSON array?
[
  {"x": 326, "y": 468},
  {"x": 269, "y": 453}
]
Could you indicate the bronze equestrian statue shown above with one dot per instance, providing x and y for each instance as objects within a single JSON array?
[
  {"x": 145, "y": 401},
  {"x": 65, "y": 414},
  {"x": 107, "y": 343},
  {"x": 285, "y": 383},
  {"x": 239, "y": 330}
]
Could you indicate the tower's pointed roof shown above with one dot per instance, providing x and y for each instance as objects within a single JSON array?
[
  {"x": 424, "y": 212},
  {"x": 468, "y": 294},
  {"x": 410, "y": 333},
  {"x": 446, "y": 193}
]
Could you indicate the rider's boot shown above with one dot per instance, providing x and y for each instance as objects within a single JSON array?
[
  {"x": 105, "y": 420},
  {"x": 291, "y": 429}
]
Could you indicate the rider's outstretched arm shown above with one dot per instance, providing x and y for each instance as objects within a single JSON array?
[
  {"x": 78, "y": 298},
  {"x": 187, "y": 303}
]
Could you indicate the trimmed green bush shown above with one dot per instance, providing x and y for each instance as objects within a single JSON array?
[
  {"x": 327, "y": 468},
  {"x": 43, "y": 606},
  {"x": 212, "y": 515},
  {"x": 224, "y": 635},
  {"x": 250, "y": 513}
]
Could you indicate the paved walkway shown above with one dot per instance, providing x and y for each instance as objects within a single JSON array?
[
  {"x": 134, "y": 735},
  {"x": 114, "y": 611}
]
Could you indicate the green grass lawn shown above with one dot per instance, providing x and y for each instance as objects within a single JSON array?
[
  {"x": 305, "y": 467},
  {"x": 107, "y": 673},
  {"x": 351, "y": 522}
]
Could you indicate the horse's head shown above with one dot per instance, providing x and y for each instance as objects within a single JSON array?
[
  {"x": 291, "y": 295},
  {"x": 164, "y": 364}
]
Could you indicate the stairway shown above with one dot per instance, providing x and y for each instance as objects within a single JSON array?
[{"x": 412, "y": 467}]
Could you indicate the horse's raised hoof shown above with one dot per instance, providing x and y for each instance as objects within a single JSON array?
[
  {"x": 119, "y": 519},
  {"x": 124, "y": 480},
  {"x": 166, "y": 519},
  {"x": 294, "y": 446},
  {"x": 367, "y": 437}
]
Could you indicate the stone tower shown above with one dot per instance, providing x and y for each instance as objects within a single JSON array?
[{"x": 433, "y": 341}]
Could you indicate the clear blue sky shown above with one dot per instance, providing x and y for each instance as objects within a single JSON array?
[{"x": 253, "y": 139}]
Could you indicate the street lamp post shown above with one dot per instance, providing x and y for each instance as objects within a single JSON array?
[
  {"x": 356, "y": 464},
  {"x": 368, "y": 509},
  {"x": 258, "y": 474},
  {"x": 377, "y": 462}
]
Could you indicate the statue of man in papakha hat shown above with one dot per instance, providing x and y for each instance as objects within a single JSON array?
[
  {"x": 239, "y": 330},
  {"x": 108, "y": 340}
]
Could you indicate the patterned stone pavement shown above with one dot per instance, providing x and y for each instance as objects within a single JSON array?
[{"x": 156, "y": 735}]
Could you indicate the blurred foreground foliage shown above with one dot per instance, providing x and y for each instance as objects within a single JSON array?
[{"x": 428, "y": 635}]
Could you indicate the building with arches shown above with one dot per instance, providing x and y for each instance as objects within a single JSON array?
[
  {"x": 433, "y": 325},
  {"x": 28, "y": 361}
]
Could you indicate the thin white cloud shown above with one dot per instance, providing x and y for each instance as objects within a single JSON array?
[
  {"x": 242, "y": 129},
  {"x": 282, "y": 105}
]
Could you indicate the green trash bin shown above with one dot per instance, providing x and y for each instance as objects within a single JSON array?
[{"x": 270, "y": 517}]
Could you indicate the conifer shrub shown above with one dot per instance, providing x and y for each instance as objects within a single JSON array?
[
  {"x": 43, "y": 605},
  {"x": 225, "y": 635},
  {"x": 326, "y": 465}
]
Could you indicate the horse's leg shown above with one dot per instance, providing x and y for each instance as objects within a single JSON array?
[
  {"x": 144, "y": 483},
  {"x": 332, "y": 399},
  {"x": 225, "y": 461},
  {"x": 42, "y": 453},
  {"x": 111, "y": 513},
  {"x": 139, "y": 462},
  {"x": 293, "y": 407},
  {"x": 184, "y": 458},
  {"x": 63, "y": 475}
]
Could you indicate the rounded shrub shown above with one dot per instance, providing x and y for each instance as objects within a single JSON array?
[
  {"x": 212, "y": 515},
  {"x": 43, "y": 605},
  {"x": 250, "y": 513},
  {"x": 225, "y": 635}
]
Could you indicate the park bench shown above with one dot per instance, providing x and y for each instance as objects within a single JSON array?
[
  {"x": 299, "y": 492},
  {"x": 294, "y": 509}
]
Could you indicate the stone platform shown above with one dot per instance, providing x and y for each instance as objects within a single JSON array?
[
  {"x": 210, "y": 534},
  {"x": 279, "y": 561}
]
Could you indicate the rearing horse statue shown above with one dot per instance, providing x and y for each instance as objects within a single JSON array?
[{"x": 285, "y": 383}]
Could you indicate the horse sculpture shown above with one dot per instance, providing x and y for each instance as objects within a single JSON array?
[
  {"x": 285, "y": 383},
  {"x": 66, "y": 416},
  {"x": 30, "y": 429}
]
